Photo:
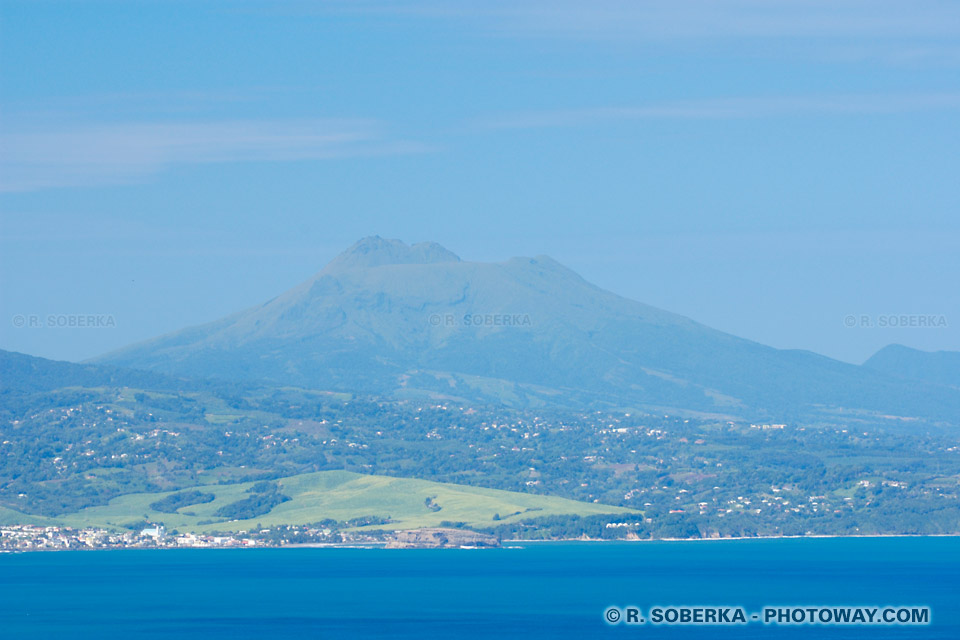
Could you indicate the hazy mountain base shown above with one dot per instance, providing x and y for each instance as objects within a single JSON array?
[{"x": 397, "y": 321}]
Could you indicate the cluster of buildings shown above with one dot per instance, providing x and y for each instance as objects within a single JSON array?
[
  {"x": 26, "y": 537},
  {"x": 54, "y": 538}
]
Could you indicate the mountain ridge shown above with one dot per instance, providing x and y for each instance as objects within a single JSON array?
[{"x": 937, "y": 367}]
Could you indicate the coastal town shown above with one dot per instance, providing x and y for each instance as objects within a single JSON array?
[
  {"x": 23, "y": 538},
  {"x": 19, "y": 538}
]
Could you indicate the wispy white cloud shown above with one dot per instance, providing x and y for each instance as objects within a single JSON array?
[
  {"x": 673, "y": 18},
  {"x": 724, "y": 108},
  {"x": 892, "y": 31},
  {"x": 737, "y": 18},
  {"x": 35, "y": 156}
]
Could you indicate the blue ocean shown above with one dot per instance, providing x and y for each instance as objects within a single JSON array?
[{"x": 542, "y": 590}]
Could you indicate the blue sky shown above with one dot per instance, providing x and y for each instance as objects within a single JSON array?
[{"x": 766, "y": 168}]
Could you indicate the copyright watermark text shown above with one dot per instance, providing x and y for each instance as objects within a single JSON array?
[
  {"x": 480, "y": 320},
  {"x": 788, "y": 615},
  {"x": 895, "y": 321},
  {"x": 64, "y": 321}
]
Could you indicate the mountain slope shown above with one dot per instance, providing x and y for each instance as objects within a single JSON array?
[
  {"x": 938, "y": 367},
  {"x": 393, "y": 319}
]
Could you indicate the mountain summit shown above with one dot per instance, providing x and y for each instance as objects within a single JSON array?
[
  {"x": 374, "y": 251},
  {"x": 404, "y": 320}
]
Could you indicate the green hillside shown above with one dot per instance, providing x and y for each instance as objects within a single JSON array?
[
  {"x": 10, "y": 516},
  {"x": 341, "y": 495}
]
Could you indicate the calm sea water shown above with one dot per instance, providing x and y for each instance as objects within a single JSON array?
[{"x": 540, "y": 591}]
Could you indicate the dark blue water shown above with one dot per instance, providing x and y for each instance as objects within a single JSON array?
[{"x": 540, "y": 591}]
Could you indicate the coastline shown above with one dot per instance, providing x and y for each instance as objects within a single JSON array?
[
  {"x": 733, "y": 538},
  {"x": 515, "y": 543}
]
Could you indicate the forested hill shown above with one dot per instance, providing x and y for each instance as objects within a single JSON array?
[{"x": 24, "y": 373}]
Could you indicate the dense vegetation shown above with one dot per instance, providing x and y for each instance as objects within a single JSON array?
[
  {"x": 175, "y": 501},
  {"x": 266, "y": 495},
  {"x": 70, "y": 448}
]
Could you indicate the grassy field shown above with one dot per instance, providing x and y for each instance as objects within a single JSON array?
[
  {"x": 9, "y": 516},
  {"x": 339, "y": 495}
]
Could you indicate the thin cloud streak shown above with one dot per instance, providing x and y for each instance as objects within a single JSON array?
[
  {"x": 886, "y": 31},
  {"x": 34, "y": 158},
  {"x": 727, "y": 108},
  {"x": 659, "y": 19}
]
